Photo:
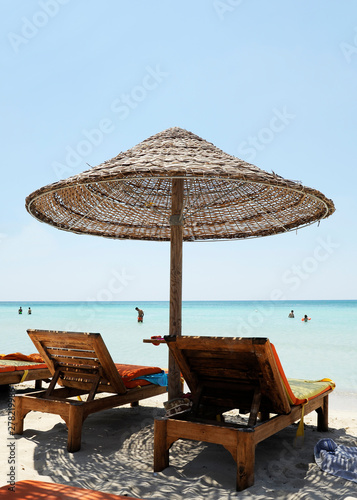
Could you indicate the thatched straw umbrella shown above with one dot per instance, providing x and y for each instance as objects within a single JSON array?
[{"x": 175, "y": 186}]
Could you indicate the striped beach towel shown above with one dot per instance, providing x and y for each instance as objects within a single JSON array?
[{"x": 337, "y": 460}]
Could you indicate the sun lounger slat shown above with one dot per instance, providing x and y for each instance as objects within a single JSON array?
[
  {"x": 226, "y": 373},
  {"x": 222, "y": 344},
  {"x": 69, "y": 341},
  {"x": 75, "y": 353},
  {"x": 229, "y": 356},
  {"x": 87, "y": 363}
]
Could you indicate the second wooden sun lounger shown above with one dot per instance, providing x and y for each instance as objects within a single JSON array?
[
  {"x": 235, "y": 373},
  {"x": 40, "y": 490},
  {"x": 82, "y": 365}
]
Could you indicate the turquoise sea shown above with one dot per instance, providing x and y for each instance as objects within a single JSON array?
[{"x": 326, "y": 346}]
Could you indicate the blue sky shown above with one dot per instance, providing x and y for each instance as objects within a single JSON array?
[{"x": 273, "y": 83}]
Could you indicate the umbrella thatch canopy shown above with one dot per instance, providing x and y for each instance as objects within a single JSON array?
[
  {"x": 130, "y": 196},
  {"x": 175, "y": 186}
]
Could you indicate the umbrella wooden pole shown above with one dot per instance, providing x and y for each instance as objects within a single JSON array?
[{"x": 174, "y": 387}]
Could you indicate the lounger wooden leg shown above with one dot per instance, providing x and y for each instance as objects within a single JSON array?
[
  {"x": 161, "y": 450},
  {"x": 38, "y": 385},
  {"x": 245, "y": 460},
  {"x": 264, "y": 415},
  {"x": 75, "y": 422},
  {"x": 18, "y": 427},
  {"x": 322, "y": 416}
]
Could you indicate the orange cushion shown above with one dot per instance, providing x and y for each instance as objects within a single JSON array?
[
  {"x": 7, "y": 368},
  {"x": 18, "y": 356},
  {"x": 38, "y": 490},
  {"x": 31, "y": 367},
  {"x": 35, "y": 359},
  {"x": 129, "y": 372},
  {"x": 13, "y": 368}
]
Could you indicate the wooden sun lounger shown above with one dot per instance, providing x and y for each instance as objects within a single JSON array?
[
  {"x": 225, "y": 374},
  {"x": 82, "y": 365}
]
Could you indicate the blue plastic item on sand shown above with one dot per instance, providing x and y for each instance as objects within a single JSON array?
[{"x": 155, "y": 378}]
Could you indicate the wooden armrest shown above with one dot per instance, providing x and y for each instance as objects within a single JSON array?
[{"x": 154, "y": 341}]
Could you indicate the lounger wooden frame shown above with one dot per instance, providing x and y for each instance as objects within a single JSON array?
[
  {"x": 224, "y": 374},
  {"x": 17, "y": 376},
  {"x": 82, "y": 365}
]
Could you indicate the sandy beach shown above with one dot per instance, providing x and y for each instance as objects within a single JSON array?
[{"x": 117, "y": 457}]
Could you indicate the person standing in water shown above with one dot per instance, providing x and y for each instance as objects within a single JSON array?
[
  {"x": 29, "y": 311},
  {"x": 140, "y": 314},
  {"x": 305, "y": 318},
  {"x": 291, "y": 314},
  {"x": 20, "y": 310}
]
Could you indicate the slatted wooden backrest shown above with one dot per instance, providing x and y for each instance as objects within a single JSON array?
[
  {"x": 228, "y": 370},
  {"x": 80, "y": 357}
]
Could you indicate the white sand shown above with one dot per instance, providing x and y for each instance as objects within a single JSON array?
[{"x": 117, "y": 457}]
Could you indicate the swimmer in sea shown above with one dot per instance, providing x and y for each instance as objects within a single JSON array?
[
  {"x": 305, "y": 318},
  {"x": 140, "y": 314},
  {"x": 291, "y": 314},
  {"x": 20, "y": 310}
]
